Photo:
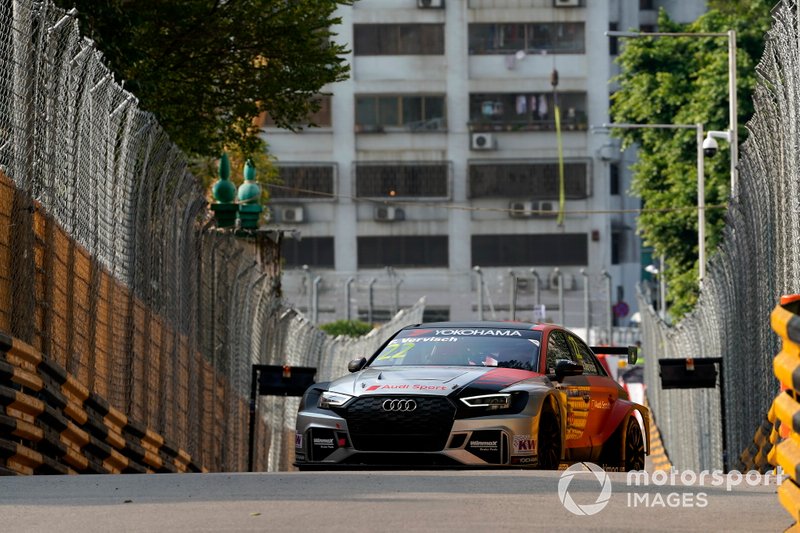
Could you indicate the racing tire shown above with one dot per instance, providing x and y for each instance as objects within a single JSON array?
[
  {"x": 624, "y": 451},
  {"x": 549, "y": 441},
  {"x": 633, "y": 446}
]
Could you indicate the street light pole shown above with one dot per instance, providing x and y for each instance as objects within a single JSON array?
[
  {"x": 733, "y": 122},
  {"x": 732, "y": 107},
  {"x": 701, "y": 206},
  {"x": 701, "y": 185}
]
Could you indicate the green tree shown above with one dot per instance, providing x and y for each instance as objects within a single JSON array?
[
  {"x": 207, "y": 68},
  {"x": 685, "y": 81},
  {"x": 350, "y": 328}
]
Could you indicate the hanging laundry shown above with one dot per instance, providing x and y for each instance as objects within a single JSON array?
[
  {"x": 532, "y": 107},
  {"x": 543, "y": 107},
  {"x": 511, "y": 61},
  {"x": 522, "y": 104}
]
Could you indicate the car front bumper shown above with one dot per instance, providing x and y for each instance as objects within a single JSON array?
[{"x": 325, "y": 439}]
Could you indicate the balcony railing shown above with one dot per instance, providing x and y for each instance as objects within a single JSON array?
[{"x": 576, "y": 123}]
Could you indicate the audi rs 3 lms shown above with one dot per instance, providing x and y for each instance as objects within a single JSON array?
[{"x": 470, "y": 395}]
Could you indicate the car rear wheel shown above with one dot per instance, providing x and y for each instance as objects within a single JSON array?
[
  {"x": 549, "y": 441},
  {"x": 633, "y": 451}
]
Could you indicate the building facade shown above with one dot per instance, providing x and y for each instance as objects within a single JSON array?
[{"x": 435, "y": 167}]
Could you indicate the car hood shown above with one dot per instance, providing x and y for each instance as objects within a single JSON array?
[{"x": 431, "y": 380}]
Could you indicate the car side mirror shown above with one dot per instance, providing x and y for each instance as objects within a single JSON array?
[
  {"x": 565, "y": 368},
  {"x": 356, "y": 364},
  {"x": 633, "y": 355}
]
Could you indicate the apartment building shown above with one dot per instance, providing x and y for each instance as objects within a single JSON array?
[{"x": 435, "y": 168}]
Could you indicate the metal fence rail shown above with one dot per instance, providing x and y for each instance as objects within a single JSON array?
[{"x": 755, "y": 264}]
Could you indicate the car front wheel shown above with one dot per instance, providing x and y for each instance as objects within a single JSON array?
[{"x": 549, "y": 441}]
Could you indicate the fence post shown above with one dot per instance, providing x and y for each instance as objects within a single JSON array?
[
  {"x": 609, "y": 323},
  {"x": 478, "y": 271},
  {"x": 371, "y": 308},
  {"x": 586, "y": 317},
  {"x": 560, "y": 277},
  {"x": 347, "y": 313}
]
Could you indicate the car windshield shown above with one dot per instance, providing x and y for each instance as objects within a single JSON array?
[{"x": 508, "y": 348}]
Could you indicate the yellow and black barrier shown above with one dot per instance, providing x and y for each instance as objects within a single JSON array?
[
  {"x": 757, "y": 456},
  {"x": 785, "y": 410},
  {"x": 52, "y": 424},
  {"x": 658, "y": 454}
]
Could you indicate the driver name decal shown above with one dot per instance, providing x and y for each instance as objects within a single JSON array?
[{"x": 426, "y": 339}]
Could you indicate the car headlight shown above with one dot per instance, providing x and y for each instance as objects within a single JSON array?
[
  {"x": 330, "y": 399},
  {"x": 489, "y": 401}
]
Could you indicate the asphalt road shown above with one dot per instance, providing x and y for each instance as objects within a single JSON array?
[{"x": 376, "y": 501}]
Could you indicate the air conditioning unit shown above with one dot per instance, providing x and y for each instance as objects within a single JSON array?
[
  {"x": 483, "y": 141},
  {"x": 430, "y": 4},
  {"x": 566, "y": 3},
  {"x": 528, "y": 209},
  {"x": 521, "y": 209},
  {"x": 293, "y": 214},
  {"x": 568, "y": 279},
  {"x": 545, "y": 209},
  {"x": 389, "y": 213}
]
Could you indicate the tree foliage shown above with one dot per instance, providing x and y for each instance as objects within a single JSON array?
[
  {"x": 350, "y": 328},
  {"x": 207, "y": 68},
  {"x": 674, "y": 80}
]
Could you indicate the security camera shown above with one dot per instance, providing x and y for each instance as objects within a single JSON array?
[{"x": 710, "y": 146}]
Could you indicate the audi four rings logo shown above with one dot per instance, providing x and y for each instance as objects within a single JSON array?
[{"x": 399, "y": 405}]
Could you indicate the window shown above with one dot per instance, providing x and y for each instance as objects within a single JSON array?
[
  {"x": 525, "y": 249},
  {"x": 616, "y": 247},
  {"x": 378, "y": 113},
  {"x": 613, "y": 42},
  {"x": 557, "y": 348},
  {"x": 303, "y": 181},
  {"x": 403, "y": 251},
  {"x": 321, "y": 118},
  {"x": 585, "y": 357},
  {"x": 398, "y": 39},
  {"x": 613, "y": 179},
  {"x": 536, "y": 181},
  {"x": 311, "y": 251},
  {"x": 398, "y": 180},
  {"x": 536, "y": 37},
  {"x": 646, "y": 5},
  {"x": 526, "y": 111}
]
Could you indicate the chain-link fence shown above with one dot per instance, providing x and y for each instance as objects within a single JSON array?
[
  {"x": 110, "y": 265},
  {"x": 757, "y": 261}
]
